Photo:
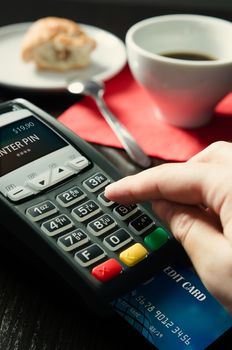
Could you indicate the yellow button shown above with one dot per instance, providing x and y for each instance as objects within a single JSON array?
[{"x": 133, "y": 254}]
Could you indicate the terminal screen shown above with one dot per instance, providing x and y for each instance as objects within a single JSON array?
[{"x": 24, "y": 141}]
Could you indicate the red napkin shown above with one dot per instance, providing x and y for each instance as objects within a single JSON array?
[{"x": 133, "y": 107}]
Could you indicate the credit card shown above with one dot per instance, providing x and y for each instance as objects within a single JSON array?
[{"x": 174, "y": 311}]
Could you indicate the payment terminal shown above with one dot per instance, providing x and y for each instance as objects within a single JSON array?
[{"x": 52, "y": 198}]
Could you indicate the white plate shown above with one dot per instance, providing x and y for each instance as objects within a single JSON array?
[{"x": 107, "y": 60}]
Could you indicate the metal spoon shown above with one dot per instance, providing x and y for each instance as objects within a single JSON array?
[{"x": 95, "y": 89}]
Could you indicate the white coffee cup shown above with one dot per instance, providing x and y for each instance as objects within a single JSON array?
[{"x": 184, "y": 92}]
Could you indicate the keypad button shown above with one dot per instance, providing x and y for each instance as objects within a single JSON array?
[
  {"x": 73, "y": 240},
  {"x": 95, "y": 182},
  {"x": 89, "y": 255},
  {"x": 104, "y": 200},
  {"x": 19, "y": 193},
  {"x": 41, "y": 211},
  {"x": 141, "y": 224},
  {"x": 40, "y": 182},
  {"x": 101, "y": 225},
  {"x": 70, "y": 196},
  {"x": 133, "y": 255},
  {"x": 117, "y": 239},
  {"x": 85, "y": 211},
  {"x": 156, "y": 239},
  {"x": 123, "y": 212},
  {"x": 79, "y": 163},
  {"x": 107, "y": 270},
  {"x": 57, "y": 225},
  {"x": 60, "y": 173}
]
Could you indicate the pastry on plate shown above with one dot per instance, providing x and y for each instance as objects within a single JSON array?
[{"x": 57, "y": 44}]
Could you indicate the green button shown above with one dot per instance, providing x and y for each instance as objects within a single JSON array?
[{"x": 156, "y": 239}]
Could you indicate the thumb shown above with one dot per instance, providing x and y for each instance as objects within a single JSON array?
[
  {"x": 184, "y": 220},
  {"x": 201, "y": 236}
]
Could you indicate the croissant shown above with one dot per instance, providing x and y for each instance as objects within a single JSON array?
[{"x": 57, "y": 44}]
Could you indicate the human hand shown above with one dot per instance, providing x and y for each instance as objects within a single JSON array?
[{"x": 194, "y": 198}]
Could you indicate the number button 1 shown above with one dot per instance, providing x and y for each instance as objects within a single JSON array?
[{"x": 41, "y": 211}]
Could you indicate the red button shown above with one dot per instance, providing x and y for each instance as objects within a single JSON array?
[{"x": 107, "y": 270}]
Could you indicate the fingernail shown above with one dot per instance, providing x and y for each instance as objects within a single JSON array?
[{"x": 107, "y": 188}]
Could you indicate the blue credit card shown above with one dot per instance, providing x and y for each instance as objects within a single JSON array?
[{"x": 174, "y": 311}]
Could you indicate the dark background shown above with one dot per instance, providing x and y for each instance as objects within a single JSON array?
[
  {"x": 113, "y": 15},
  {"x": 38, "y": 311}
]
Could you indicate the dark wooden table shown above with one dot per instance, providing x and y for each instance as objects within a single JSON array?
[{"x": 38, "y": 311}]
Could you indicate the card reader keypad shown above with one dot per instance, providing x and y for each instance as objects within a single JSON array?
[
  {"x": 53, "y": 188},
  {"x": 101, "y": 236}
]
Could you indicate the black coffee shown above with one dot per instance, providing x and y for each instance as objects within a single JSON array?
[{"x": 190, "y": 56}]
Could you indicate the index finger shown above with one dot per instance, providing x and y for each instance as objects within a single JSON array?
[{"x": 185, "y": 183}]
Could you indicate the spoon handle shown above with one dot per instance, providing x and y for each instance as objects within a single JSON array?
[{"x": 131, "y": 147}]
